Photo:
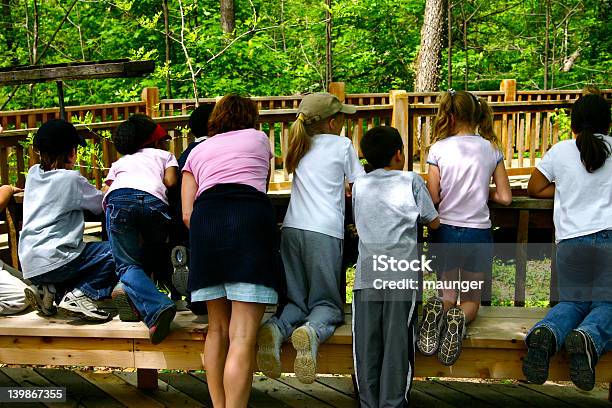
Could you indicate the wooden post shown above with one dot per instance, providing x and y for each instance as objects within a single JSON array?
[
  {"x": 400, "y": 119},
  {"x": 337, "y": 88},
  {"x": 508, "y": 86},
  {"x": 146, "y": 378},
  {"x": 150, "y": 97}
]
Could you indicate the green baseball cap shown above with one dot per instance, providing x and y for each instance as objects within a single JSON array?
[{"x": 318, "y": 106}]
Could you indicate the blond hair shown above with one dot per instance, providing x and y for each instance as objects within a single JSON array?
[
  {"x": 465, "y": 108},
  {"x": 300, "y": 139}
]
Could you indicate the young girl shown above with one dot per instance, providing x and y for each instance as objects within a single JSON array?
[
  {"x": 137, "y": 219},
  {"x": 577, "y": 174},
  {"x": 51, "y": 248},
  {"x": 312, "y": 234},
  {"x": 464, "y": 156},
  {"x": 232, "y": 235}
]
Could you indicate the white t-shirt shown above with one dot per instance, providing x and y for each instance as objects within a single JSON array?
[
  {"x": 583, "y": 200},
  {"x": 466, "y": 164},
  {"x": 317, "y": 193}
]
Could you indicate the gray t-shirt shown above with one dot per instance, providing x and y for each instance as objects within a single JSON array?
[
  {"x": 387, "y": 205},
  {"x": 53, "y": 220}
]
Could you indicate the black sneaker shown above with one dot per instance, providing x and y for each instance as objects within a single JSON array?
[
  {"x": 125, "y": 307},
  {"x": 428, "y": 339},
  {"x": 541, "y": 346},
  {"x": 161, "y": 328},
  {"x": 180, "y": 276},
  {"x": 583, "y": 357},
  {"x": 452, "y": 337}
]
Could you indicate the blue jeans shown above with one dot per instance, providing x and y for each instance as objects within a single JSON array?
[
  {"x": 137, "y": 224},
  {"x": 584, "y": 270},
  {"x": 93, "y": 272}
]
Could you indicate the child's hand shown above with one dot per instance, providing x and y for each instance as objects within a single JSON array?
[{"x": 348, "y": 190}]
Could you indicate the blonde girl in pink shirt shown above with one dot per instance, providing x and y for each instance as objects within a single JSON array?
[{"x": 464, "y": 157}]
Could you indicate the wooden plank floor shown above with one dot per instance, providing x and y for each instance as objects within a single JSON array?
[{"x": 115, "y": 389}]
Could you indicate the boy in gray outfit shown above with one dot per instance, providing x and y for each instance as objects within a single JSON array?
[
  {"x": 53, "y": 255},
  {"x": 387, "y": 203}
]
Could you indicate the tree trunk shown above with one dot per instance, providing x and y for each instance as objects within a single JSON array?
[
  {"x": 449, "y": 33},
  {"x": 546, "y": 44},
  {"x": 228, "y": 18},
  {"x": 428, "y": 61},
  {"x": 167, "y": 38}
]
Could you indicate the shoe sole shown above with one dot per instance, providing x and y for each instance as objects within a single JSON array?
[
  {"x": 163, "y": 325},
  {"x": 450, "y": 345},
  {"x": 268, "y": 357},
  {"x": 122, "y": 303},
  {"x": 305, "y": 366},
  {"x": 84, "y": 316},
  {"x": 32, "y": 299},
  {"x": 180, "y": 275},
  {"x": 536, "y": 362},
  {"x": 579, "y": 365},
  {"x": 428, "y": 339}
]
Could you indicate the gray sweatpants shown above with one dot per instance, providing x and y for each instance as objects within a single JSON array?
[
  {"x": 12, "y": 296},
  {"x": 313, "y": 269},
  {"x": 383, "y": 347}
]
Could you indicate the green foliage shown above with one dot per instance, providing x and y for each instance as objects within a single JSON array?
[
  {"x": 278, "y": 46},
  {"x": 563, "y": 120}
]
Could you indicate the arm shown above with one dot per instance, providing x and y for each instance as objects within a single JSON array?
[
  {"x": 539, "y": 186},
  {"x": 501, "y": 193},
  {"x": 171, "y": 177},
  {"x": 433, "y": 183},
  {"x": 189, "y": 188},
  {"x": 6, "y": 193},
  {"x": 435, "y": 224},
  {"x": 90, "y": 198}
]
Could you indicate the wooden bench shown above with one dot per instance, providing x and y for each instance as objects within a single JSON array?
[{"x": 494, "y": 347}]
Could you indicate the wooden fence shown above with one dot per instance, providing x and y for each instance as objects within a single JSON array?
[{"x": 524, "y": 121}]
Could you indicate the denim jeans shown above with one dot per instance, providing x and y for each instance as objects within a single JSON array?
[
  {"x": 584, "y": 270},
  {"x": 137, "y": 224},
  {"x": 93, "y": 272}
]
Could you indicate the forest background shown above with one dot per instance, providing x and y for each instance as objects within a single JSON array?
[{"x": 284, "y": 47}]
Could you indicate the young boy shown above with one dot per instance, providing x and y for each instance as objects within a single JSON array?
[
  {"x": 51, "y": 248},
  {"x": 387, "y": 203}
]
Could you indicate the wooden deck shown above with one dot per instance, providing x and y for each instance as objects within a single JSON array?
[{"x": 106, "y": 389}]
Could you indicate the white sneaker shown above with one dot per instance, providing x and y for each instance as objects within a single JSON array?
[
  {"x": 306, "y": 344},
  {"x": 40, "y": 298},
  {"x": 78, "y": 304},
  {"x": 269, "y": 341}
]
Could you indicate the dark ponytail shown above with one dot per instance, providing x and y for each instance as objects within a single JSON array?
[{"x": 591, "y": 116}]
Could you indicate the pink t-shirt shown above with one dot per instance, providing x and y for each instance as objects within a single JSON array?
[
  {"x": 143, "y": 170},
  {"x": 240, "y": 156},
  {"x": 466, "y": 164}
]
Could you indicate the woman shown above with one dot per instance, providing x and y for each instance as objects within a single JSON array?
[{"x": 232, "y": 236}]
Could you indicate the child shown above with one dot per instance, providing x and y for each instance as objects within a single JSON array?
[
  {"x": 464, "y": 156},
  {"x": 51, "y": 248},
  {"x": 312, "y": 234},
  {"x": 577, "y": 174},
  {"x": 232, "y": 235},
  {"x": 387, "y": 203},
  {"x": 12, "y": 287},
  {"x": 138, "y": 219},
  {"x": 198, "y": 124}
]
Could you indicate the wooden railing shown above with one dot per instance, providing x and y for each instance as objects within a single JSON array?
[{"x": 523, "y": 121}]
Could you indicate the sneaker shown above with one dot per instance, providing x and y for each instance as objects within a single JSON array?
[
  {"x": 453, "y": 334},
  {"x": 77, "y": 303},
  {"x": 583, "y": 357},
  {"x": 123, "y": 303},
  {"x": 269, "y": 341},
  {"x": 306, "y": 344},
  {"x": 161, "y": 328},
  {"x": 428, "y": 339},
  {"x": 541, "y": 347},
  {"x": 181, "y": 269},
  {"x": 41, "y": 298}
]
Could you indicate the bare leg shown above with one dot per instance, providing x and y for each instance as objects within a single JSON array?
[
  {"x": 238, "y": 374},
  {"x": 216, "y": 348},
  {"x": 449, "y": 296},
  {"x": 470, "y": 300}
]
